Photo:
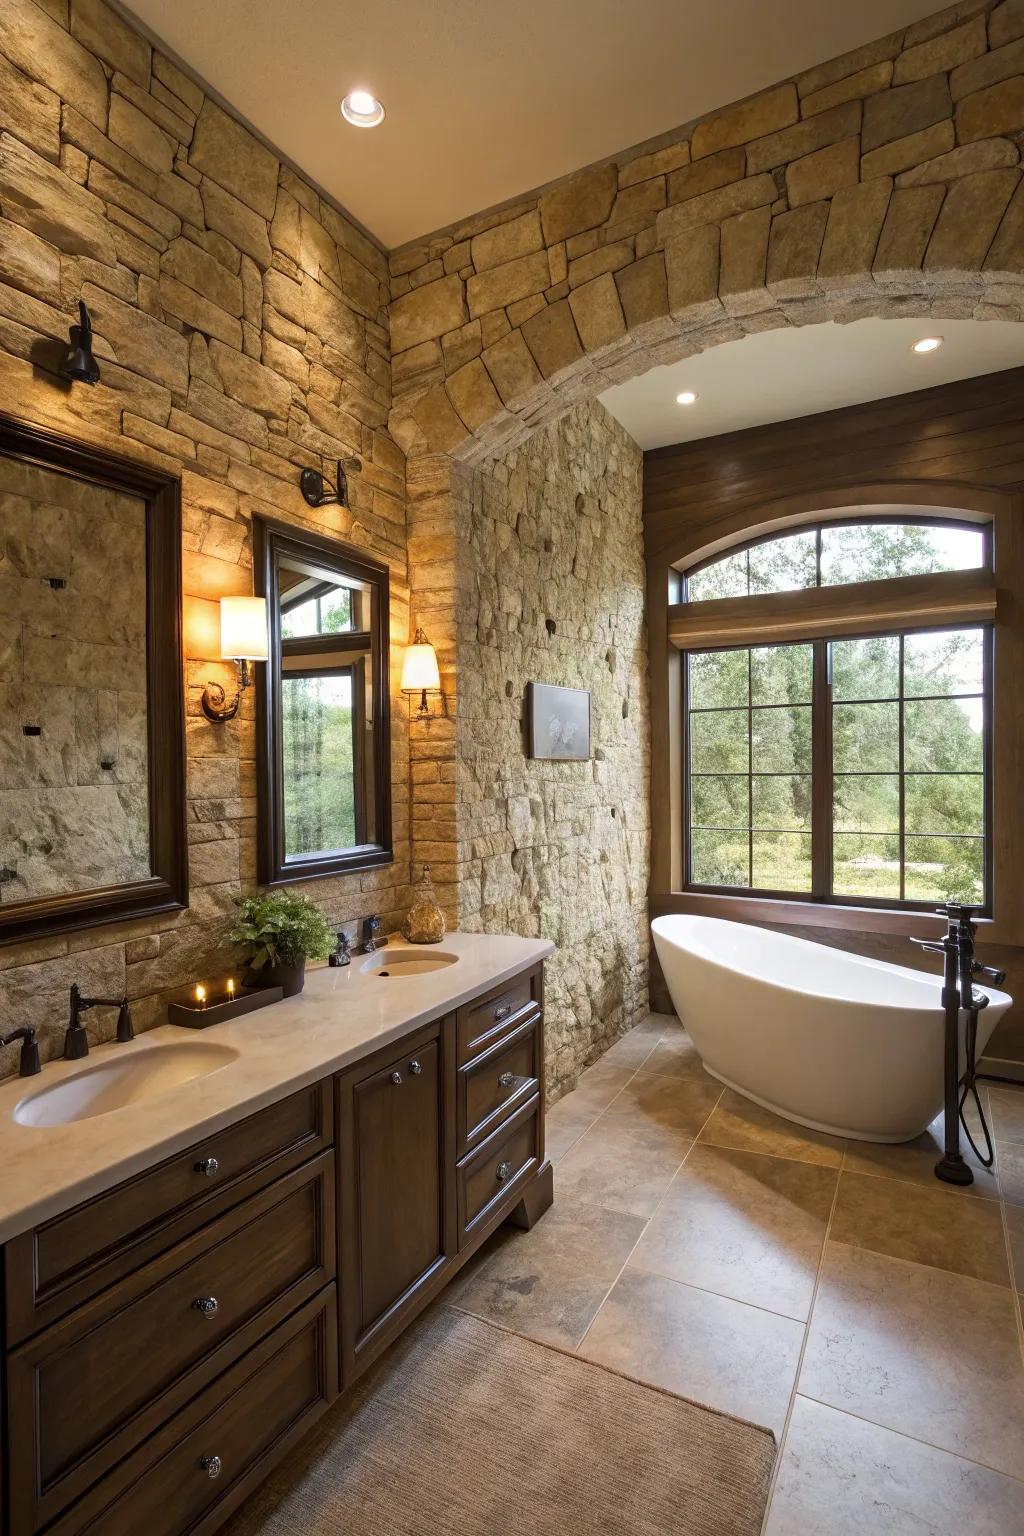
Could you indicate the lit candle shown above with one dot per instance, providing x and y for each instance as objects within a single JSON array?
[
  {"x": 231, "y": 988},
  {"x": 200, "y": 994}
]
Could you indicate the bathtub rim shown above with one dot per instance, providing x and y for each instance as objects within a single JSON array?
[{"x": 995, "y": 997}]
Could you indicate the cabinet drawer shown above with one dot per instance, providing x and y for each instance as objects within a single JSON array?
[
  {"x": 480, "y": 1023},
  {"x": 91, "y": 1387},
  {"x": 247, "y": 1420},
  {"x": 66, "y": 1261},
  {"x": 497, "y": 1081},
  {"x": 491, "y": 1177}
]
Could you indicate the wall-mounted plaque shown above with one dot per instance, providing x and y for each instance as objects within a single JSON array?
[{"x": 558, "y": 722}]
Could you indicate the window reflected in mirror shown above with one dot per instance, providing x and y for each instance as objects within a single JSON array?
[{"x": 325, "y": 781}]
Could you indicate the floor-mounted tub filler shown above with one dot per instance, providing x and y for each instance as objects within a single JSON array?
[{"x": 832, "y": 1040}]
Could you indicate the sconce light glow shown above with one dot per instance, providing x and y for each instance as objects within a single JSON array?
[
  {"x": 420, "y": 673},
  {"x": 928, "y": 344},
  {"x": 686, "y": 397},
  {"x": 362, "y": 109},
  {"x": 243, "y": 628}
]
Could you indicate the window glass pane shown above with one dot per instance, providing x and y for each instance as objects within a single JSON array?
[
  {"x": 718, "y": 678},
  {"x": 866, "y": 866},
  {"x": 319, "y": 781},
  {"x": 943, "y": 735},
  {"x": 785, "y": 564},
  {"x": 718, "y": 742},
  {"x": 328, "y": 614},
  {"x": 717, "y": 801},
  {"x": 781, "y": 739},
  {"x": 866, "y": 738},
  {"x": 938, "y": 867},
  {"x": 943, "y": 661},
  {"x": 724, "y": 578},
  {"x": 945, "y": 802},
  {"x": 866, "y": 802},
  {"x": 866, "y": 669},
  {"x": 877, "y": 551},
  {"x": 782, "y": 801},
  {"x": 782, "y": 861},
  {"x": 781, "y": 674},
  {"x": 719, "y": 858}
]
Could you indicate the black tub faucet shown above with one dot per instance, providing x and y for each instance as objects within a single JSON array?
[
  {"x": 76, "y": 1041},
  {"x": 29, "y": 1064}
]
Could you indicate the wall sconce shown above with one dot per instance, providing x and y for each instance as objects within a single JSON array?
[
  {"x": 243, "y": 638},
  {"x": 420, "y": 673},
  {"x": 317, "y": 491},
  {"x": 79, "y": 365}
]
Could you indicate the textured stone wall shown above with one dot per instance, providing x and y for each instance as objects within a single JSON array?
[
  {"x": 551, "y": 589},
  {"x": 74, "y": 782},
  {"x": 242, "y": 332},
  {"x": 884, "y": 182}
]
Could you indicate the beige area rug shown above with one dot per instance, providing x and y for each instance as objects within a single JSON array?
[{"x": 464, "y": 1429}]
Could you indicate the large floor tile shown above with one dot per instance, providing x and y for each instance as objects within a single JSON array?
[
  {"x": 621, "y": 1166},
  {"x": 720, "y": 1352},
  {"x": 915, "y": 1161},
  {"x": 630, "y": 1050},
  {"x": 1010, "y": 1171},
  {"x": 1007, "y": 1106},
  {"x": 842, "y": 1477},
  {"x": 1015, "y": 1232},
  {"x": 675, "y": 1056},
  {"x": 738, "y": 1122},
  {"x": 674, "y": 1103},
  {"x": 743, "y": 1225},
  {"x": 548, "y": 1283},
  {"x": 922, "y": 1224},
  {"x": 921, "y": 1351},
  {"x": 566, "y": 1121}
]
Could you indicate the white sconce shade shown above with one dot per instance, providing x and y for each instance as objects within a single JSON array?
[
  {"x": 419, "y": 669},
  {"x": 243, "y": 628}
]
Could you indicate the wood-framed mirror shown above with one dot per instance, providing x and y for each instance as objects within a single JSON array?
[
  {"x": 323, "y": 707},
  {"x": 92, "y": 724}
]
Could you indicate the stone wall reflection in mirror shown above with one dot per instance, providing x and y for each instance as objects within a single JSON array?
[
  {"x": 74, "y": 771},
  {"x": 324, "y": 738}
]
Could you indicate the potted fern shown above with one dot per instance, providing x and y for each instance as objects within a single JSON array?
[{"x": 281, "y": 932}]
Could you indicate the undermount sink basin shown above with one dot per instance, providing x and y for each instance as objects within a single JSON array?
[
  {"x": 407, "y": 962},
  {"x": 115, "y": 1083}
]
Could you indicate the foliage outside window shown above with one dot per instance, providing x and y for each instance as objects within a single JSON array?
[
  {"x": 849, "y": 770},
  {"x": 319, "y": 747}
]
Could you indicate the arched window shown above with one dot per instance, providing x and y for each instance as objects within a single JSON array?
[{"x": 846, "y": 758}]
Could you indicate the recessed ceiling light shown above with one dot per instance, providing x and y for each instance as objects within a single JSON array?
[
  {"x": 687, "y": 397},
  {"x": 362, "y": 110},
  {"x": 928, "y": 344}
]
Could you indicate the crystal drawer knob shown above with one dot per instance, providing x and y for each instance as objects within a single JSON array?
[
  {"x": 502, "y": 1172},
  {"x": 206, "y": 1305},
  {"x": 415, "y": 1068},
  {"x": 503, "y": 1011},
  {"x": 506, "y": 1080},
  {"x": 396, "y": 1078},
  {"x": 208, "y": 1166},
  {"x": 211, "y": 1465}
]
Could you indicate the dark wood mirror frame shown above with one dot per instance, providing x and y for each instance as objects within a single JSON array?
[
  {"x": 273, "y": 541},
  {"x": 166, "y": 889}
]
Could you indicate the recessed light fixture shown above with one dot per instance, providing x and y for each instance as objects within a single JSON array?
[
  {"x": 928, "y": 344},
  {"x": 687, "y": 397},
  {"x": 362, "y": 110}
]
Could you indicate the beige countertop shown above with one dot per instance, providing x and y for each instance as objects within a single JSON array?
[{"x": 342, "y": 1015}]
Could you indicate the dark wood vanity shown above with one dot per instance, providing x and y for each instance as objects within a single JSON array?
[{"x": 168, "y": 1341}]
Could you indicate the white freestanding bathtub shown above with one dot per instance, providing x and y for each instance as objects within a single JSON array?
[{"x": 832, "y": 1040}]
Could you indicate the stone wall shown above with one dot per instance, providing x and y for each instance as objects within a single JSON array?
[
  {"x": 242, "y": 332},
  {"x": 884, "y": 182},
  {"x": 551, "y": 589},
  {"x": 74, "y": 781}
]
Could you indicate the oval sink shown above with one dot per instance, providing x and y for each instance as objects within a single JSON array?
[
  {"x": 114, "y": 1084},
  {"x": 407, "y": 962}
]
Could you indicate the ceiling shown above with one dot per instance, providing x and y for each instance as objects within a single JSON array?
[
  {"x": 488, "y": 99},
  {"x": 800, "y": 370}
]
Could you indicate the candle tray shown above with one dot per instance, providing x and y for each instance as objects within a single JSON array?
[{"x": 183, "y": 1008}]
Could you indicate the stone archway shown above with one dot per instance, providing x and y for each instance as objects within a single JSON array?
[{"x": 883, "y": 184}]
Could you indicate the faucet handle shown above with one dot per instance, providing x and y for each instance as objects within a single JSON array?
[
  {"x": 29, "y": 1063},
  {"x": 125, "y": 1028},
  {"x": 343, "y": 954}
]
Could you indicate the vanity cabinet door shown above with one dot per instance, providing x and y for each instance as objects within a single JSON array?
[{"x": 394, "y": 1199}]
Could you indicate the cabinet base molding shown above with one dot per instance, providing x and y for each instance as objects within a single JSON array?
[{"x": 538, "y": 1197}]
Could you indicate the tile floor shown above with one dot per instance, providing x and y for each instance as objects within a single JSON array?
[{"x": 832, "y": 1290}]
